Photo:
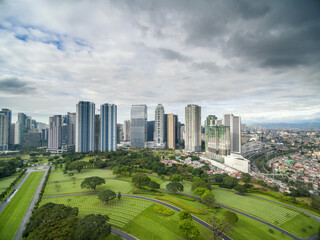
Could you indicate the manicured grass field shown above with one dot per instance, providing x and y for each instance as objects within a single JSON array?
[
  {"x": 5, "y": 182},
  {"x": 270, "y": 212},
  {"x": 59, "y": 176},
  {"x": 14, "y": 212},
  {"x": 151, "y": 225},
  {"x": 75, "y": 187},
  {"x": 121, "y": 212}
]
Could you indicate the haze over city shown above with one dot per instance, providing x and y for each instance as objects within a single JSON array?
[{"x": 257, "y": 59}]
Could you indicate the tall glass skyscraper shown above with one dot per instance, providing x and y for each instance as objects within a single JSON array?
[
  {"x": 5, "y": 128},
  {"x": 138, "y": 126},
  {"x": 85, "y": 126},
  {"x": 55, "y": 132},
  {"x": 108, "y": 127},
  {"x": 234, "y": 122}
]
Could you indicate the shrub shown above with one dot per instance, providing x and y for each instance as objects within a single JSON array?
[
  {"x": 163, "y": 210},
  {"x": 183, "y": 197},
  {"x": 231, "y": 217},
  {"x": 270, "y": 230}
]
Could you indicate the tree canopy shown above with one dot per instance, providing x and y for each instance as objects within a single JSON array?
[
  {"x": 92, "y": 182},
  {"x": 176, "y": 178},
  {"x": 107, "y": 195},
  {"x": 175, "y": 187},
  {"x": 189, "y": 229},
  {"x": 184, "y": 214},
  {"x": 141, "y": 180},
  {"x": 77, "y": 165}
]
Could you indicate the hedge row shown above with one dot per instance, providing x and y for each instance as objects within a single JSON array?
[
  {"x": 163, "y": 210},
  {"x": 183, "y": 197},
  {"x": 9, "y": 189},
  {"x": 183, "y": 205},
  {"x": 42, "y": 190}
]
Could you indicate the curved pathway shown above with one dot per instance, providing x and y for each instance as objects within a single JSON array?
[{"x": 123, "y": 234}]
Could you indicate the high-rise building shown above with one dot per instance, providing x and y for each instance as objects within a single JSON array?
[
  {"x": 64, "y": 130},
  {"x": 150, "y": 131},
  {"x": 85, "y": 118},
  {"x": 119, "y": 132},
  {"x": 217, "y": 137},
  {"x": 193, "y": 128},
  {"x": 108, "y": 127},
  {"x": 172, "y": 121},
  {"x": 12, "y": 134},
  {"x": 31, "y": 139},
  {"x": 182, "y": 132},
  {"x": 5, "y": 128},
  {"x": 97, "y": 133},
  {"x": 138, "y": 126},
  {"x": 126, "y": 131},
  {"x": 159, "y": 127},
  {"x": 71, "y": 134},
  {"x": 55, "y": 132},
  {"x": 234, "y": 122}
]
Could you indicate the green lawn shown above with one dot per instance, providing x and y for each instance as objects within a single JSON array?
[
  {"x": 120, "y": 212},
  {"x": 270, "y": 212},
  {"x": 75, "y": 187},
  {"x": 5, "y": 182},
  {"x": 59, "y": 176},
  {"x": 14, "y": 212}
]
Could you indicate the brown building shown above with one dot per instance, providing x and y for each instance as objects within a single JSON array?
[{"x": 171, "y": 130}]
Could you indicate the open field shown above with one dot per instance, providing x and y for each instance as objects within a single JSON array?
[
  {"x": 75, "y": 187},
  {"x": 150, "y": 225},
  {"x": 270, "y": 212},
  {"x": 121, "y": 212},
  {"x": 59, "y": 176},
  {"x": 5, "y": 182},
  {"x": 14, "y": 212}
]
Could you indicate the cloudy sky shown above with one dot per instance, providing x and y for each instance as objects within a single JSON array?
[{"x": 256, "y": 59}]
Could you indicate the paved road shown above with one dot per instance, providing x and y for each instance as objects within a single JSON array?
[
  {"x": 18, "y": 235},
  {"x": 17, "y": 187},
  {"x": 123, "y": 234}
]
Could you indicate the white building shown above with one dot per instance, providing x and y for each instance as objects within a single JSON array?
[
  {"x": 55, "y": 132},
  {"x": 237, "y": 162},
  {"x": 193, "y": 128},
  {"x": 159, "y": 127},
  {"x": 108, "y": 127},
  {"x": 5, "y": 128},
  {"x": 234, "y": 122}
]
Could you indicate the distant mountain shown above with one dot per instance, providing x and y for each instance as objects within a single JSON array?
[{"x": 309, "y": 124}]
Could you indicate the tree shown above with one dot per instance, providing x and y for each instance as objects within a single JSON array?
[
  {"x": 52, "y": 219},
  {"x": 208, "y": 199},
  {"x": 174, "y": 187},
  {"x": 119, "y": 195},
  {"x": 107, "y": 195},
  {"x": 70, "y": 174},
  {"x": 175, "y": 178},
  {"x": 219, "y": 227},
  {"x": 246, "y": 177},
  {"x": 184, "y": 214},
  {"x": 240, "y": 189},
  {"x": 231, "y": 217},
  {"x": 196, "y": 179},
  {"x": 315, "y": 202},
  {"x": 189, "y": 229},
  {"x": 141, "y": 180},
  {"x": 154, "y": 185},
  {"x": 117, "y": 171},
  {"x": 92, "y": 182},
  {"x": 199, "y": 191},
  {"x": 93, "y": 227},
  {"x": 77, "y": 165}
]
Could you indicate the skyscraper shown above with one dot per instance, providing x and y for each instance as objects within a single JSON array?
[
  {"x": 159, "y": 127},
  {"x": 150, "y": 131},
  {"x": 97, "y": 132},
  {"x": 71, "y": 135},
  {"x": 193, "y": 128},
  {"x": 138, "y": 126},
  {"x": 172, "y": 121},
  {"x": 119, "y": 132},
  {"x": 126, "y": 131},
  {"x": 19, "y": 128},
  {"x": 234, "y": 122},
  {"x": 5, "y": 128},
  {"x": 108, "y": 127},
  {"x": 55, "y": 132},
  {"x": 85, "y": 117}
]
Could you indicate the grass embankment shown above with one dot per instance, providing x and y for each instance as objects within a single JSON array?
[
  {"x": 75, "y": 187},
  {"x": 14, "y": 212},
  {"x": 60, "y": 176},
  {"x": 5, "y": 182}
]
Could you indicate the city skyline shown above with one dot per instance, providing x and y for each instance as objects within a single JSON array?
[{"x": 245, "y": 58}]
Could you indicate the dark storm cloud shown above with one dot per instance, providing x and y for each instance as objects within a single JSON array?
[
  {"x": 15, "y": 86},
  {"x": 173, "y": 55}
]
